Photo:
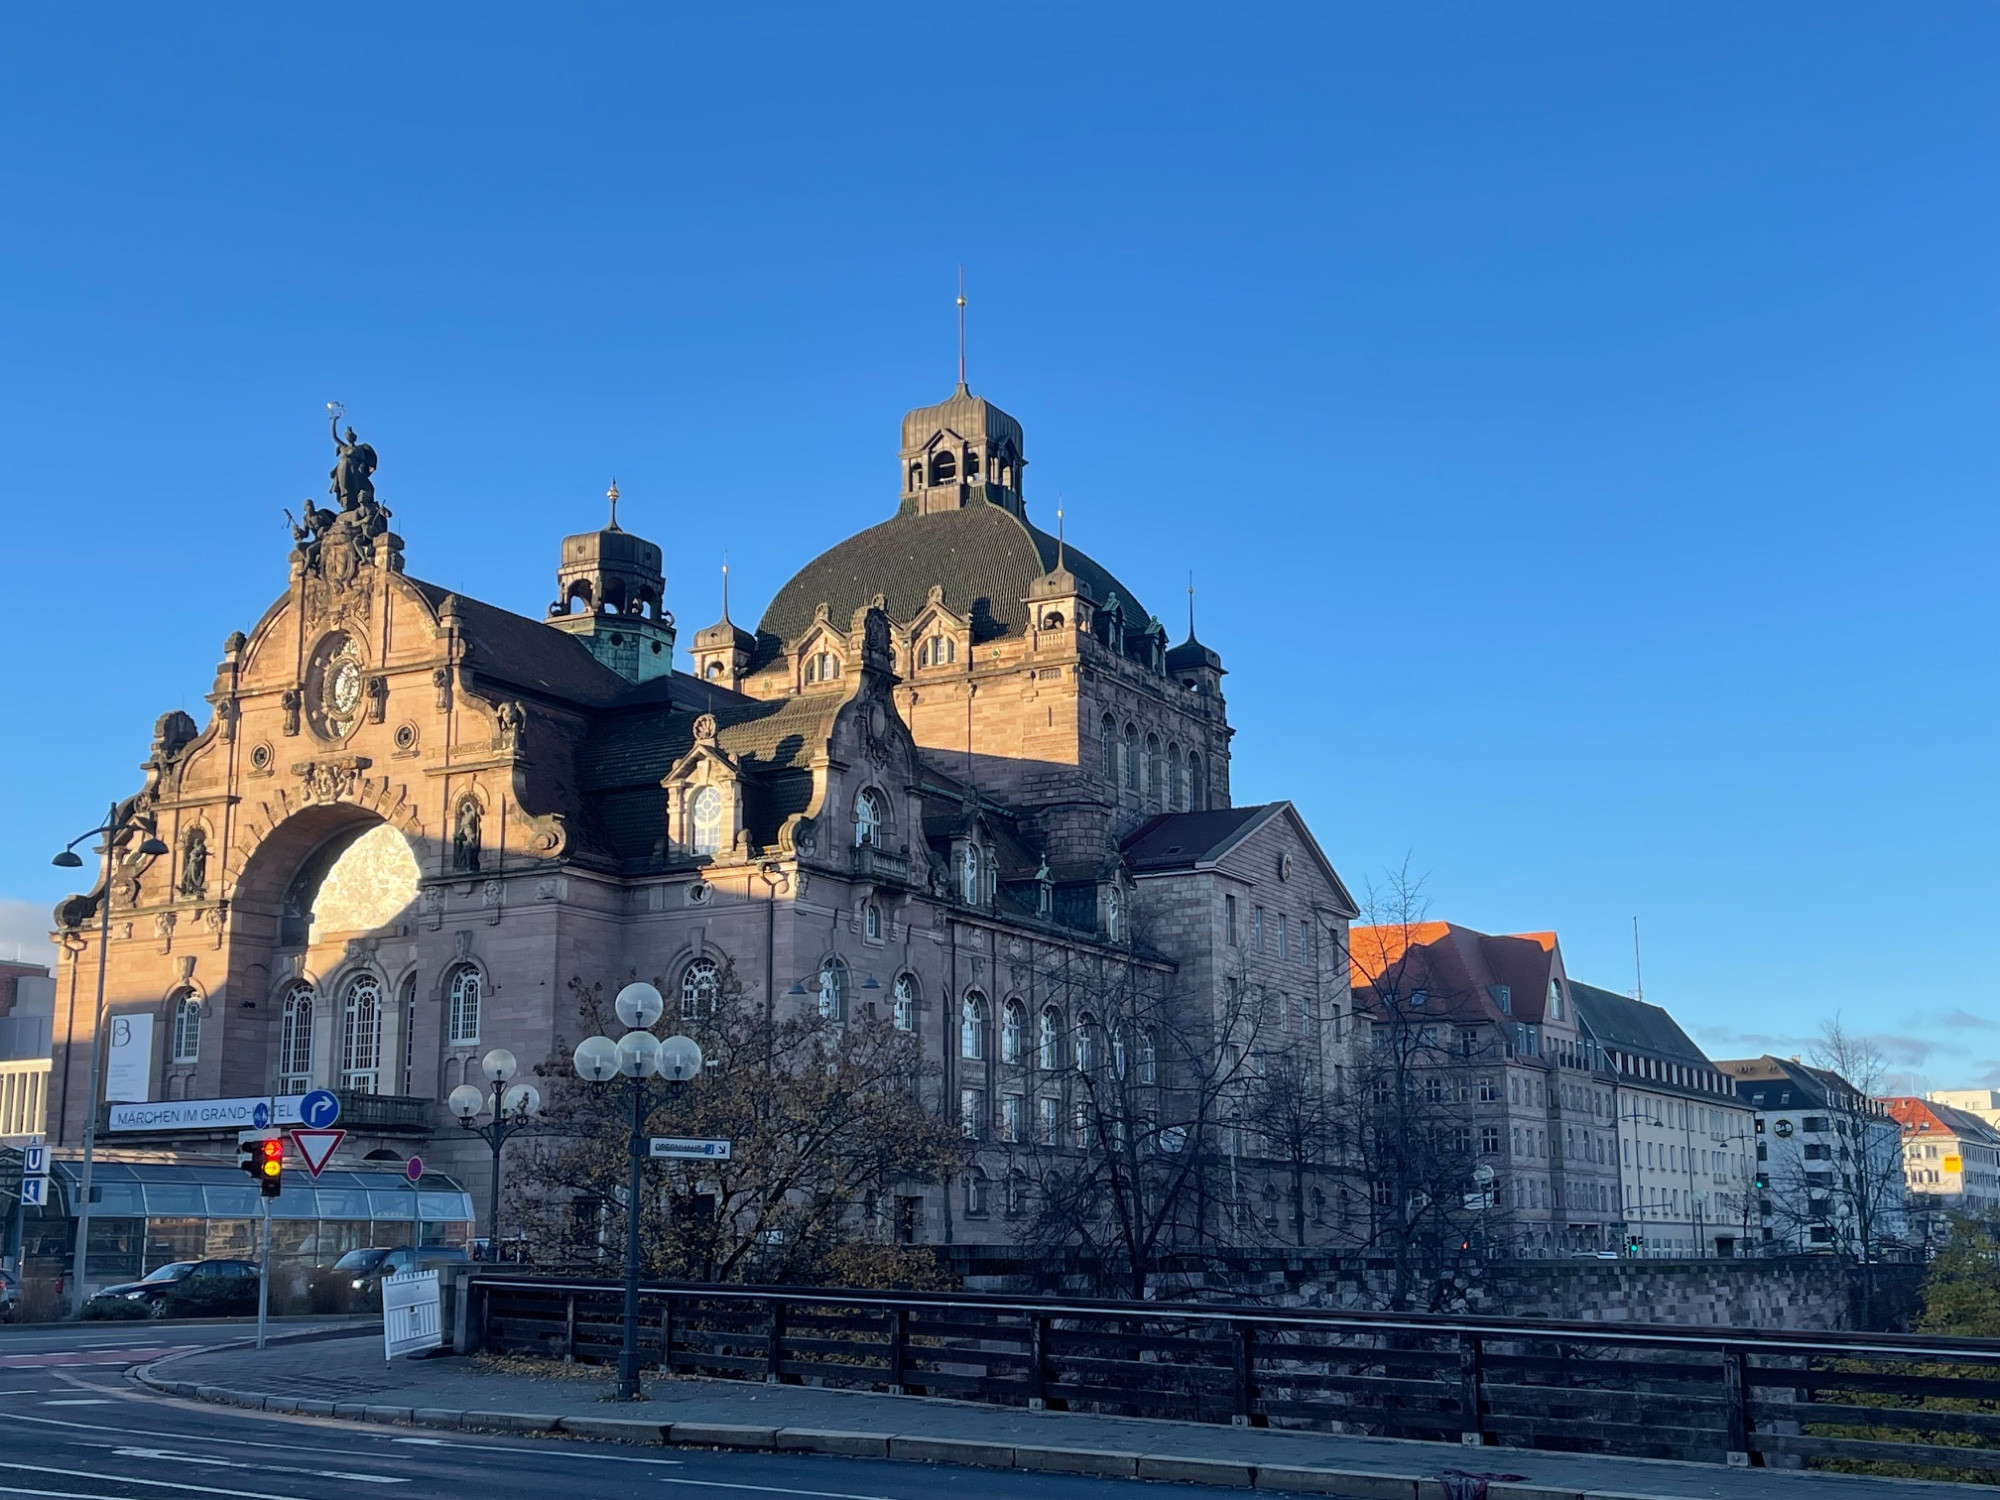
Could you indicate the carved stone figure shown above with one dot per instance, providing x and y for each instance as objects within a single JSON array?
[
  {"x": 353, "y": 468},
  {"x": 194, "y": 863},
  {"x": 293, "y": 700},
  {"x": 513, "y": 720},
  {"x": 465, "y": 837}
]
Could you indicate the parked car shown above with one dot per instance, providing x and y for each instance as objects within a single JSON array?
[
  {"x": 194, "y": 1287},
  {"x": 10, "y": 1296}
]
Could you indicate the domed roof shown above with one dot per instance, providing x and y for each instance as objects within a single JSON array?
[{"x": 982, "y": 555}]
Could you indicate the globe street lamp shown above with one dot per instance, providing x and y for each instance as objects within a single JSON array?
[
  {"x": 514, "y": 1110},
  {"x": 638, "y": 1055},
  {"x": 69, "y": 859}
]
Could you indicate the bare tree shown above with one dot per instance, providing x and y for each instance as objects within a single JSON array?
[
  {"x": 824, "y": 1117},
  {"x": 1297, "y": 1121}
]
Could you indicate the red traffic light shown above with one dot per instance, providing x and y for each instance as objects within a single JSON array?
[{"x": 270, "y": 1158}]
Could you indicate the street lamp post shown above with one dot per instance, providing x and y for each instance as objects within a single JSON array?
[
  {"x": 70, "y": 860},
  {"x": 638, "y": 1055},
  {"x": 513, "y": 1112}
]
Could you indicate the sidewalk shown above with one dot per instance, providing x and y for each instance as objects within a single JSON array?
[{"x": 347, "y": 1377}]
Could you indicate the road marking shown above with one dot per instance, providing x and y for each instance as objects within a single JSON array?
[
  {"x": 158, "y": 1484},
  {"x": 168, "y": 1455},
  {"x": 15, "y": 1489},
  {"x": 135, "y": 1354},
  {"x": 772, "y": 1489},
  {"x": 81, "y": 1401},
  {"x": 427, "y": 1442}
]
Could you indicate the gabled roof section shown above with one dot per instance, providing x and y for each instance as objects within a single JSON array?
[
  {"x": 1170, "y": 842},
  {"x": 1924, "y": 1117},
  {"x": 1628, "y": 1025},
  {"x": 504, "y": 647}
]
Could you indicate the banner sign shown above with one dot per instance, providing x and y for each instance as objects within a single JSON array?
[
  {"x": 681, "y": 1147},
  {"x": 128, "y": 1070},
  {"x": 206, "y": 1114},
  {"x": 412, "y": 1313}
]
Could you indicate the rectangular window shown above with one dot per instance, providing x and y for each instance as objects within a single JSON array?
[
  {"x": 1489, "y": 1090},
  {"x": 1283, "y": 928},
  {"x": 1012, "y": 1110},
  {"x": 1229, "y": 919},
  {"x": 1048, "y": 1120},
  {"x": 1257, "y": 928},
  {"x": 1489, "y": 1140},
  {"x": 972, "y": 1113}
]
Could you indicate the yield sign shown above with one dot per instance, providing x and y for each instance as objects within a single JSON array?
[{"x": 317, "y": 1147}]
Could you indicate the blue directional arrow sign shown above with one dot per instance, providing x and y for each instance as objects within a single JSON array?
[
  {"x": 319, "y": 1109},
  {"x": 261, "y": 1116}
]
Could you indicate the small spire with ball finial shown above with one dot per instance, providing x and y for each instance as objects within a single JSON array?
[{"x": 612, "y": 495}]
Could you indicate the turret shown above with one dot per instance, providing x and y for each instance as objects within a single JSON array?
[{"x": 609, "y": 593}]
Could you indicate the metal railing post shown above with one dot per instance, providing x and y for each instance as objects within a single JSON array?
[
  {"x": 1471, "y": 1349},
  {"x": 1243, "y": 1358},
  {"x": 1038, "y": 1370},
  {"x": 899, "y": 1334},
  {"x": 1736, "y": 1408},
  {"x": 774, "y": 1343}
]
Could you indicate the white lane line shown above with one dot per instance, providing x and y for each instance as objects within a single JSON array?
[
  {"x": 427, "y": 1442},
  {"x": 81, "y": 1401},
  {"x": 771, "y": 1489},
  {"x": 169, "y": 1456},
  {"x": 15, "y": 1489},
  {"x": 157, "y": 1484}
]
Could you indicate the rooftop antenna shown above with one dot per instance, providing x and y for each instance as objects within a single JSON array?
[
  {"x": 1638, "y": 978},
  {"x": 1059, "y": 529},
  {"x": 1190, "y": 603},
  {"x": 612, "y": 495},
  {"x": 961, "y": 327},
  {"x": 725, "y": 585}
]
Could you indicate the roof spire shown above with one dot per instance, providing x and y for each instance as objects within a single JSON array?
[
  {"x": 612, "y": 495},
  {"x": 1059, "y": 529},
  {"x": 725, "y": 586},
  {"x": 961, "y": 327},
  {"x": 1190, "y": 603}
]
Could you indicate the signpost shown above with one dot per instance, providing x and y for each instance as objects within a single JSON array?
[
  {"x": 682, "y": 1148},
  {"x": 412, "y": 1310},
  {"x": 316, "y": 1147},
  {"x": 414, "y": 1170},
  {"x": 35, "y": 1174}
]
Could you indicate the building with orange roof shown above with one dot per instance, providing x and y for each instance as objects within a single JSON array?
[{"x": 1951, "y": 1162}]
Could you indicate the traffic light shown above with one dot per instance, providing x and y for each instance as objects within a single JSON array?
[
  {"x": 264, "y": 1160},
  {"x": 1633, "y": 1241}
]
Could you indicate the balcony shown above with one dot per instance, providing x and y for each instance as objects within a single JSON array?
[
  {"x": 385, "y": 1114},
  {"x": 871, "y": 863}
]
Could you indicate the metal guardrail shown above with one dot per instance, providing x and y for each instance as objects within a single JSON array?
[{"x": 1659, "y": 1392}]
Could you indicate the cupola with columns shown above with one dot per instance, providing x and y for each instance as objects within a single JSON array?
[
  {"x": 963, "y": 451},
  {"x": 610, "y": 594}
]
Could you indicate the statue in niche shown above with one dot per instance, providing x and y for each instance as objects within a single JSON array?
[
  {"x": 194, "y": 863},
  {"x": 465, "y": 837}
]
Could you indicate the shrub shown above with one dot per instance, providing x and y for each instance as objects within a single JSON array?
[{"x": 115, "y": 1309}]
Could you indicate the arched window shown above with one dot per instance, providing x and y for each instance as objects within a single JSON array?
[
  {"x": 1130, "y": 748},
  {"x": 295, "y": 1040},
  {"x": 406, "y": 1008},
  {"x": 1015, "y": 1201},
  {"x": 833, "y": 990},
  {"x": 971, "y": 465},
  {"x": 1119, "y": 1059},
  {"x": 1153, "y": 790},
  {"x": 1048, "y": 1043},
  {"x": 944, "y": 467},
  {"x": 871, "y": 922},
  {"x": 1149, "y": 1058},
  {"x": 1086, "y": 1044},
  {"x": 1197, "y": 798},
  {"x": 1107, "y": 744},
  {"x": 361, "y": 1034},
  {"x": 705, "y": 818},
  {"x": 1013, "y": 1028},
  {"x": 937, "y": 651},
  {"x": 1174, "y": 803},
  {"x": 187, "y": 1026},
  {"x": 822, "y": 666},
  {"x": 972, "y": 1026},
  {"x": 916, "y": 474},
  {"x": 975, "y": 1193},
  {"x": 906, "y": 1002},
  {"x": 714, "y": 671},
  {"x": 701, "y": 983},
  {"x": 868, "y": 819},
  {"x": 969, "y": 875},
  {"x": 467, "y": 992},
  {"x": 1114, "y": 915}
]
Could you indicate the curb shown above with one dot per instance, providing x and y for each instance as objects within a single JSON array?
[{"x": 1350, "y": 1484}]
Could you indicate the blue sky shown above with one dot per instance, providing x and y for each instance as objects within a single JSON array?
[{"x": 1580, "y": 419}]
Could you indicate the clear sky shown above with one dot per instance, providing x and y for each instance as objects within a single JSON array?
[{"x": 1579, "y": 419}]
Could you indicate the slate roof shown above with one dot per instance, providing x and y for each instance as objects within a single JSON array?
[
  {"x": 1927, "y": 1117},
  {"x": 983, "y": 556},
  {"x": 1182, "y": 841},
  {"x": 505, "y": 647},
  {"x": 1629, "y": 1025}
]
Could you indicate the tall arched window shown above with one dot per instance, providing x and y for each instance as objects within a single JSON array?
[
  {"x": 1174, "y": 802},
  {"x": 1130, "y": 748},
  {"x": 969, "y": 875},
  {"x": 295, "y": 1040},
  {"x": 1197, "y": 797},
  {"x": 972, "y": 1026},
  {"x": 361, "y": 1034},
  {"x": 1118, "y": 1052},
  {"x": 1048, "y": 1043},
  {"x": 1149, "y": 1058},
  {"x": 833, "y": 990},
  {"x": 868, "y": 819},
  {"x": 1086, "y": 1044},
  {"x": 466, "y": 998},
  {"x": 705, "y": 818},
  {"x": 406, "y": 1008},
  {"x": 1153, "y": 791},
  {"x": 906, "y": 1002},
  {"x": 701, "y": 982},
  {"x": 1107, "y": 745},
  {"x": 187, "y": 1026},
  {"x": 1013, "y": 1026}
]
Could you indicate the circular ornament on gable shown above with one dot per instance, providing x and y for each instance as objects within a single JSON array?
[
  {"x": 334, "y": 680},
  {"x": 260, "y": 758},
  {"x": 1285, "y": 865},
  {"x": 699, "y": 892}
]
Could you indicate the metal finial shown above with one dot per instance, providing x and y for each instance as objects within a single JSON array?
[
  {"x": 1190, "y": 604},
  {"x": 725, "y": 586},
  {"x": 1059, "y": 529},
  {"x": 961, "y": 326},
  {"x": 612, "y": 495}
]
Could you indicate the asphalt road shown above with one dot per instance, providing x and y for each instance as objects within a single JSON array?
[{"x": 71, "y": 1424}]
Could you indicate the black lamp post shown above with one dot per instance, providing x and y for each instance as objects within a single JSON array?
[
  {"x": 151, "y": 846},
  {"x": 514, "y": 1110},
  {"x": 638, "y": 1055}
]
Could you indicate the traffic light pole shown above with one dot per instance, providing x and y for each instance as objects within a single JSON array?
[{"x": 264, "y": 1276}]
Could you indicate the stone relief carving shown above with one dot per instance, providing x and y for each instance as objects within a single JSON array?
[
  {"x": 378, "y": 699},
  {"x": 330, "y": 780},
  {"x": 194, "y": 863},
  {"x": 465, "y": 836},
  {"x": 441, "y": 680},
  {"x": 510, "y": 727},
  {"x": 292, "y": 701},
  {"x": 163, "y": 926}
]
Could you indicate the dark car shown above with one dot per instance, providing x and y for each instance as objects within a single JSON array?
[
  {"x": 214, "y": 1286},
  {"x": 355, "y": 1281},
  {"x": 10, "y": 1296}
]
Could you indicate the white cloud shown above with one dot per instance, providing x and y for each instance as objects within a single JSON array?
[{"x": 24, "y": 931}]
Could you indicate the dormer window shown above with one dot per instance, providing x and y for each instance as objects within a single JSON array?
[
  {"x": 969, "y": 875},
  {"x": 822, "y": 666},
  {"x": 868, "y": 820},
  {"x": 937, "y": 651},
  {"x": 705, "y": 821},
  {"x": 1555, "y": 1000}
]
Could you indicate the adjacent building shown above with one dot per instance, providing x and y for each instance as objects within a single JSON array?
[
  {"x": 1686, "y": 1142},
  {"x": 27, "y": 1019},
  {"x": 1951, "y": 1163}
]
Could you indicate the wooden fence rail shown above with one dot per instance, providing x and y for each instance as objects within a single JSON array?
[{"x": 1661, "y": 1392}]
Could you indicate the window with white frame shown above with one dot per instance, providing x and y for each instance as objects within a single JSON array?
[
  {"x": 464, "y": 999},
  {"x": 1049, "y": 1042},
  {"x": 868, "y": 819},
  {"x": 187, "y": 1026},
  {"x": 1013, "y": 1117},
  {"x": 937, "y": 651},
  {"x": 1149, "y": 1058},
  {"x": 1048, "y": 1120},
  {"x": 1086, "y": 1045},
  {"x": 361, "y": 1034},
  {"x": 905, "y": 994},
  {"x": 705, "y": 820},
  {"x": 1013, "y": 1026},
  {"x": 972, "y": 1113},
  {"x": 295, "y": 1039},
  {"x": 701, "y": 983},
  {"x": 972, "y": 1026},
  {"x": 871, "y": 922},
  {"x": 969, "y": 887},
  {"x": 833, "y": 990}
]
